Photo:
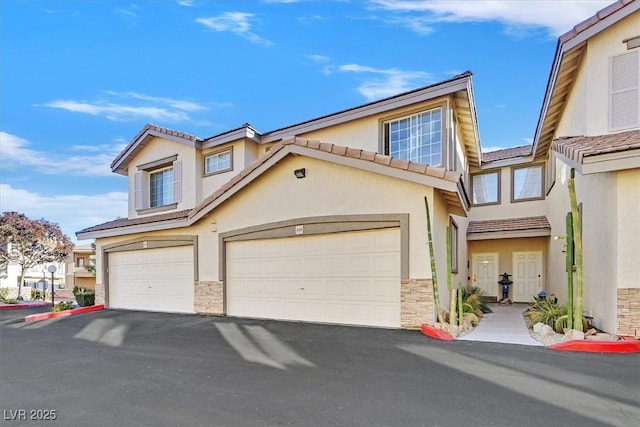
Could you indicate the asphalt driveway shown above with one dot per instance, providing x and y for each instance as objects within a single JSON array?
[{"x": 120, "y": 368}]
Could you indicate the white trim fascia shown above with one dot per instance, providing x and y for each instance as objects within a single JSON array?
[
  {"x": 426, "y": 94},
  {"x": 493, "y": 235},
  {"x": 474, "y": 120},
  {"x": 233, "y": 136},
  {"x": 132, "y": 229},
  {"x": 569, "y": 162},
  {"x": 611, "y": 162},
  {"x": 507, "y": 162}
]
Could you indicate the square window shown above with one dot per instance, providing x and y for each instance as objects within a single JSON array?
[
  {"x": 417, "y": 138},
  {"x": 526, "y": 183},
  {"x": 218, "y": 162},
  {"x": 486, "y": 188}
]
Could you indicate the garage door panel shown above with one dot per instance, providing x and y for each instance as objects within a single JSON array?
[
  {"x": 351, "y": 278},
  {"x": 152, "y": 279}
]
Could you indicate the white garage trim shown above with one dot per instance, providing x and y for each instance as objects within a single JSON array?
[{"x": 151, "y": 273}]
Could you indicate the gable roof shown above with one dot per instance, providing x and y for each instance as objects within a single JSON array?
[
  {"x": 569, "y": 52},
  {"x": 459, "y": 86},
  {"x": 119, "y": 164},
  {"x": 447, "y": 183}
]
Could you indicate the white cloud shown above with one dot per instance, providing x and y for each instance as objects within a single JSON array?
[
  {"x": 557, "y": 17},
  {"x": 185, "y": 3},
  {"x": 391, "y": 82},
  {"x": 234, "y": 22},
  {"x": 154, "y": 108},
  {"x": 318, "y": 58},
  {"x": 15, "y": 153},
  {"x": 73, "y": 212}
]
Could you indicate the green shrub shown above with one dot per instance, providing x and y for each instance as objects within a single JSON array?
[
  {"x": 85, "y": 297},
  {"x": 65, "y": 305},
  {"x": 547, "y": 311},
  {"x": 10, "y": 301},
  {"x": 4, "y": 293},
  {"x": 473, "y": 301}
]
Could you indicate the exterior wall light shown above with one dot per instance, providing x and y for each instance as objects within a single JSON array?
[{"x": 300, "y": 173}]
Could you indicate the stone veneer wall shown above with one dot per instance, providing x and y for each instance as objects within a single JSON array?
[
  {"x": 628, "y": 312},
  {"x": 208, "y": 297},
  {"x": 100, "y": 295},
  {"x": 416, "y": 299}
]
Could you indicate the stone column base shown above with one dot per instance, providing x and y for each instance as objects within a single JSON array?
[
  {"x": 100, "y": 294},
  {"x": 416, "y": 300},
  {"x": 628, "y": 315},
  {"x": 208, "y": 297}
]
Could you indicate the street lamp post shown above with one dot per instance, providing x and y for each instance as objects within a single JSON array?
[{"x": 52, "y": 269}]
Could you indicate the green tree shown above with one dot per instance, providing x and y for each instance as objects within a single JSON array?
[{"x": 31, "y": 242}]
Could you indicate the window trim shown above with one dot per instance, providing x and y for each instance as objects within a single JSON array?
[
  {"x": 498, "y": 172},
  {"x": 173, "y": 179},
  {"x": 216, "y": 153},
  {"x": 444, "y": 120},
  {"x": 542, "y": 183},
  {"x": 454, "y": 244}
]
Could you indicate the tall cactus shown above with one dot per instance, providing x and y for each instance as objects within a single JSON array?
[
  {"x": 569, "y": 253},
  {"x": 577, "y": 237},
  {"x": 434, "y": 277},
  {"x": 453, "y": 319}
]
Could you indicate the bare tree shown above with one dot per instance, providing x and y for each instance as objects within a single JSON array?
[{"x": 31, "y": 242}]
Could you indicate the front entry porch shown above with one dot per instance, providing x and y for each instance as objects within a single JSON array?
[{"x": 505, "y": 325}]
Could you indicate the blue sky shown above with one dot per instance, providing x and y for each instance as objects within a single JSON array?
[{"x": 79, "y": 79}]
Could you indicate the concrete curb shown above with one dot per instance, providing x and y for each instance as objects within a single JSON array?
[
  {"x": 43, "y": 316},
  {"x": 436, "y": 333},
  {"x": 16, "y": 306},
  {"x": 589, "y": 346}
]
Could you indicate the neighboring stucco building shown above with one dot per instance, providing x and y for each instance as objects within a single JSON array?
[
  {"x": 79, "y": 267},
  {"x": 325, "y": 220}
]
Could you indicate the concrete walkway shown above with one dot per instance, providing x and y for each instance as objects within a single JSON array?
[{"x": 504, "y": 325}]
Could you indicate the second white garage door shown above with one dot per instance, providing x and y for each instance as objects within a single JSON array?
[
  {"x": 348, "y": 278},
  {"x": 152, "y": 279}
]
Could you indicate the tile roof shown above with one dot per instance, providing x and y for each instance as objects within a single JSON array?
[
  {"x": 578, "y": 147},
  {"x": 153, "y": 128},
  {"x": 507, "y": 153},
  {"x": 509, "y": 224},
  {"x": 370, "y": 156},
  {"x": 339, "y": 150},
  {"x": 590, "y": 22},
  {"x": 124, "y": 222}
]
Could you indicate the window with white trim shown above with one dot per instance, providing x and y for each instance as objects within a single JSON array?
[
  {"x": 417, "y": 138},
  {"x": 485, "y": 188},
  {"x": 526, "y": 183},
  {"x": 218, "y": 162},
  {"x": 624, "y": 93}
]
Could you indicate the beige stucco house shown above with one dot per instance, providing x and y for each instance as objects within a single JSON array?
[
  {"x": 79, "y": 267},
  {"x": 325, "y": 220}
]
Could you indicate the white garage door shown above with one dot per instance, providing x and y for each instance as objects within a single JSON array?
[
  {"x": 152, "y": 279},
  {"x": 349, "y": 278}
]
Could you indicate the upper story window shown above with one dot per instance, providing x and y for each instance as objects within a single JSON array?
[
  {"x": 417, "y": 138},
  {"x": 158, "y": 185},
  {"x": 485, "y": 188},
  {"x": 218, "y": 162},
  {"x": 526, "y": 183},
  {"x": 80, "y": 262},
  {"x": 624, "y": 93},
  {"x": 161, "y": 187}
]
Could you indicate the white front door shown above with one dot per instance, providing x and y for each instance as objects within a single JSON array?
[
  {"x": 485, "y": 273},
  {"x": 527, "y": 275}
]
